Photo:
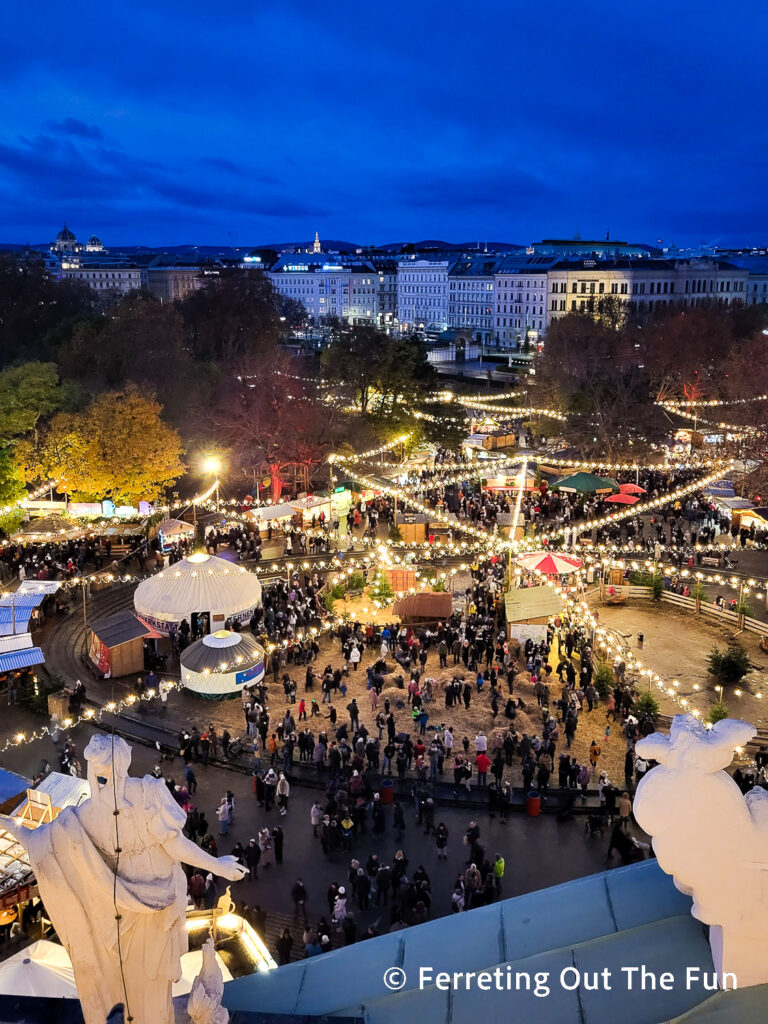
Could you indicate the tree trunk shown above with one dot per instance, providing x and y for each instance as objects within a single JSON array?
[{"x": 277, "y": 481}]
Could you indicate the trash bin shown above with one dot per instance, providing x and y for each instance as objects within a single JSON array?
[
  {"x": 533, "y": 804},
  {"x": 640, "y": 639},
  {"x": 387, "y": 791}
]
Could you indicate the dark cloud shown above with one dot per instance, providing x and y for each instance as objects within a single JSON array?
[
  {"x": 87, "y": 171},
  {"x": 71, "y": 126},
  {"x": 492, "y": 189},
  {"x": 220, "y": 164},
  {"x": 408, "y": 120}
]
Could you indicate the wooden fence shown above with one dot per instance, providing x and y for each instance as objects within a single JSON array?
[{"x": 689, "y": 604}]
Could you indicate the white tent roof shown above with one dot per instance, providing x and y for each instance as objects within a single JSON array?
[
  {"x": 174, "y": 527},
  {"x": 282, "y": 511},
  {"x": 42, "y": 969},
  {"x": 45, "y": 970},
  {"x": 200, "y": 583}
]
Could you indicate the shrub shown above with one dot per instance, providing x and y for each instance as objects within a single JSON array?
[
  {"x": 381, "y": 590},
  {"x": 717, "y": 712},
  {"x": 394, "y": 534},
  {"x": 438, "y": 586},
  {"x": 698, "y": 591},
  {"x": 654, "y": 580},
  {"x": 356, "y": 581},
  {"x": 329, "y": 601},
  {"x": 730, "y": 665},
  {"x": 603, "y": 680},
  {"x": 646, "y": 706}
]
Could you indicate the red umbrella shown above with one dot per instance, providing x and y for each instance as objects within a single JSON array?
[
  {"x": 623, "y": 499},
  {"x": 549, "y": 562},
  {"x": 631, "y": 489}
]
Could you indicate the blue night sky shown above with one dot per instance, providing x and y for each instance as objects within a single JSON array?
[{"x": 242, "y": 123}]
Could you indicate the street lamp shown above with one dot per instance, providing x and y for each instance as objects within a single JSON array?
[{"x": 213, "y": 465}]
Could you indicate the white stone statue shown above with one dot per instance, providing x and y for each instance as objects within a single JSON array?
[
  {"x": 204, "y": 1004},
  {"x": 711, "y": 839},
  {"x": 113, "y": 886}
]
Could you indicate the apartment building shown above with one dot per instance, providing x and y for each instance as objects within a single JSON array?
[
  {"x": 471, "y": 297},
  {"x": 329, "y": 288},
  {"x": 422, "y": 294}
]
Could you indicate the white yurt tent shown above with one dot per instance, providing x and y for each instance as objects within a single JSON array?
[
  {"x": 220, "y": 665},
  {"x": 203, "y": 589}
]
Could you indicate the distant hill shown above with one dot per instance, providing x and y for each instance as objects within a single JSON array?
[{"x": 437, "y": 244}]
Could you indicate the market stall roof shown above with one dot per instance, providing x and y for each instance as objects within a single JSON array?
[
  {"x": 199, "y": 583},
  {"x": 64, "y": 791},
  {"x": 429, "y": 605},
  {"x": 532, "y": 603},
  {"x": 586, "y": 483},
  {"x": 11, "y": 785},
  {"x": 631, "y": 489},
  {"x": 44, "y": 587},
  {"x": 13, "y": 661},
  {"x": 121, "y": 628},
  {"x": 284, "y": 510},
  {"x": 175, "y": 527},
  {"x": 46, "y": 525}
]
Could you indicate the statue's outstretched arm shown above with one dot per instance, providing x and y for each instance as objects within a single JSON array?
[{"x": 183, "y": 849}]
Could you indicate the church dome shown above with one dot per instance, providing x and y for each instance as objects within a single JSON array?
[
  {"x": 93, "y": 240},
  {"x": 65, "y": 235}
]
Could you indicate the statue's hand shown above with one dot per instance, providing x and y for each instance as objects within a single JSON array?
[{"x": 230, "y": 868}]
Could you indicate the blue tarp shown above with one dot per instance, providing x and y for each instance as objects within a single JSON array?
[
  {"x": 15, "y": 660},
  {"x": 11, "y": 785}
]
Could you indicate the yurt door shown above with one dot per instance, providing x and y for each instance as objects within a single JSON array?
[{"x": 201, "y": 624}]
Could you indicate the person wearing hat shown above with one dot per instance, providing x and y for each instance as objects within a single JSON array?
[{"x": 340, "y": 906}]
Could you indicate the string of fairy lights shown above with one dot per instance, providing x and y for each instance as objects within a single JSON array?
[{"x": 475, "y": 540}]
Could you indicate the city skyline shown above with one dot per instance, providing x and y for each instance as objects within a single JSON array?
[{"x": 155, "y": 126}]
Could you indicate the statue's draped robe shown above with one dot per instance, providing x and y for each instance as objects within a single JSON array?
[{"x": 73, "y": 859}]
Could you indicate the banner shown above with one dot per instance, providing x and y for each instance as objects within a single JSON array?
[
  {"x": 99, "y": 654},
  {"x": 523, "y": 631}
]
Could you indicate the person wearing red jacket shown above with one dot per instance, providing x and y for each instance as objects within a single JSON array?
[{"x": 483, "y": 763}]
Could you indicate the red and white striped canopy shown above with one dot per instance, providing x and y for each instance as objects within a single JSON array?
[{"x": 549, "y": 562}]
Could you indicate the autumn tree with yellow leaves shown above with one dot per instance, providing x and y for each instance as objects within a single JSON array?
[{"x": 118, "y": 448}]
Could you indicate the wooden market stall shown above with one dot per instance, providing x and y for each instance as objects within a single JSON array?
[{"x": 116, "y": 644}]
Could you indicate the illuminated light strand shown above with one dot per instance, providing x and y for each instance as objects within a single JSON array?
[
  {"x": 710, "y": 402},
  {"x": 362, "y": 456}
]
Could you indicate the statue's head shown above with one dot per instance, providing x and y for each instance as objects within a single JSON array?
[
  {"x": 108, "y": 758},
  {"x": 689, "y": 783},
  {"x": 690, "y": 746}
]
